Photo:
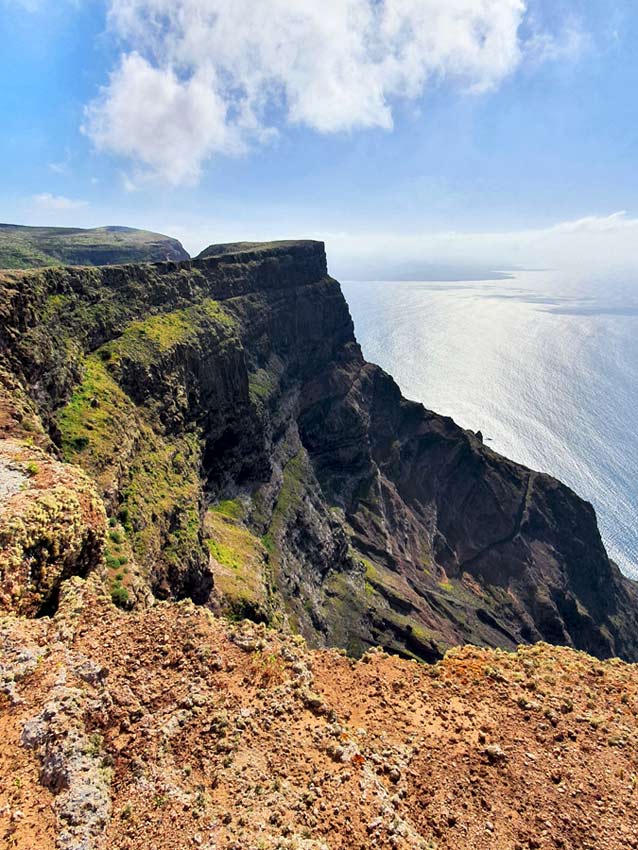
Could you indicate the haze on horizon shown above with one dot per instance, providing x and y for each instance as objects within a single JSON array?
[{"x": 408, "y": 134}]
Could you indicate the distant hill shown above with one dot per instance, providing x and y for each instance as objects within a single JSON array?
[{"x": 32, "y": 247}]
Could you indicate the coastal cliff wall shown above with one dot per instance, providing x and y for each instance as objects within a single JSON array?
[{"x": 250, "y": 459}]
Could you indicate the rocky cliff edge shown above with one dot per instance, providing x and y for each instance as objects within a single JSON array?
[{"x": 249, "y": 458}]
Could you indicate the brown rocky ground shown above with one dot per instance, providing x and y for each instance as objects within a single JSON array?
[{"x": 168, "y": 728}]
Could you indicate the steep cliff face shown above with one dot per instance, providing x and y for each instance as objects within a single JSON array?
[{"x": 250, "y": 458}]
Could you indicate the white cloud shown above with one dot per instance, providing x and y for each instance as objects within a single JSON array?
[
  {"x": 46, "y": 201},
  {"x": 617, "y": 221},
  {"x": 171, "y": 125},
  {"x": 593, "y": 243},
  {"x": 203, "y": 77},
  {"x": 569, "y": 44}
]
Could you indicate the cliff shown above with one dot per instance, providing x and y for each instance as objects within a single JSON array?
[
  {"x": 250, "y": 459},
  {"x": 31, "y": 247}
]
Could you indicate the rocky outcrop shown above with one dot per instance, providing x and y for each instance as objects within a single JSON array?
[
  {"x": 233, "y": 384},
  {"x": 52, "y": 526}
]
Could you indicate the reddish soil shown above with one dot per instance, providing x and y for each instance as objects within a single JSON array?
[{"x": 220, "y": 736}]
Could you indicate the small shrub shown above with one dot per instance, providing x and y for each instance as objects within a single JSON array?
[
  {"x": 95, "y": 745},
  {"x": 112, "y": 562},
  {"x": 123, "y": 516},
  {"x": 119, "y": 596},
  {"x": 33, "y": 468},
  {"x": 267, "y": 670},
  {"x": 116, "y": 536}
]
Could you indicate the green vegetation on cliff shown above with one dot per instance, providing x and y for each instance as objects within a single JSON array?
[
  {"x": 97, "y": 420},
  {"x": 240, "y": 568},
  {"x": 292, "y": 490},
  {"x": 145, "y": 341},
  {"x": 156, "y": 478},
  {"x": 151, "y": 479}
]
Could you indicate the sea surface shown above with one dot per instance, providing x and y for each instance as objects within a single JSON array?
[{"x": 545, "y": 364}]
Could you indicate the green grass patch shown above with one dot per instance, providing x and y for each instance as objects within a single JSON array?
[
  {"x": 239, "y": 566},
  {"x": 261, "y": 385},
  {"x": 97, "y": 420},
  {"x": 293, "y": 486},
  {"x": 231, "y": 508},
  {"x": 146, "y": 340},
  {"x": 161, "y": 489},
  {"x": 163, "y": 497}
]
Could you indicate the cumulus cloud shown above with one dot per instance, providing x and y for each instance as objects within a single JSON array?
[
  {"x": 204, "y": 77},
  {"x": 172, "y": 125},
  {"x": 46, "y": 201}
]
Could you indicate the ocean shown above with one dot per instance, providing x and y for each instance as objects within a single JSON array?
[{"x": 544, "y": 363}]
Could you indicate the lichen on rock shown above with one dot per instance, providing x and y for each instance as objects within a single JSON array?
[{"x": 51, "y": 528}]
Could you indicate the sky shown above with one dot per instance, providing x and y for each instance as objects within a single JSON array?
[{"x": 404, "y": 133}]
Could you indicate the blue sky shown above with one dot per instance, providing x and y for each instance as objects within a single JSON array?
[{"x": 456, "y": 132}]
